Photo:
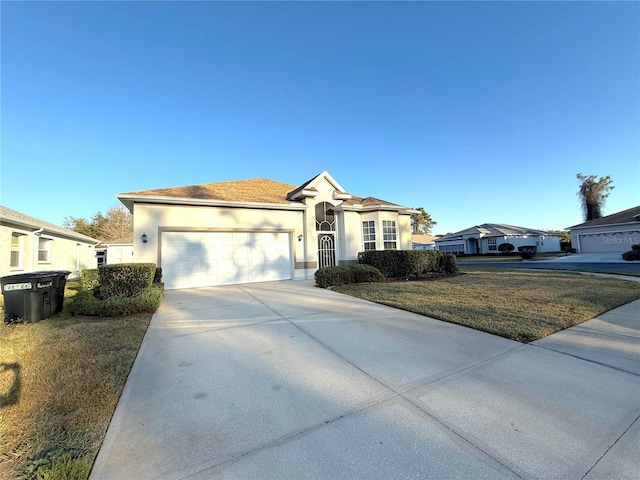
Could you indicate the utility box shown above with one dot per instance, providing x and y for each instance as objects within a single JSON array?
[{"x": 31, "y": 297}]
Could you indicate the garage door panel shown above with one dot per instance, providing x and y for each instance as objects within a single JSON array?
[
  {"x": 608, "y": 242},
  {"x": 196, "y": 259}
]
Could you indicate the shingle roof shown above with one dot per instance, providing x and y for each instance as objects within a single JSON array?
[
  {"x": 369, "y": 202},
  {"x": 422, "y": 239},
  {"x": 258, "y": 190},
  {"x": 626, "y": 216},
  {"x": 494, "y": 230},
  {"x": 8, "y": 215}
]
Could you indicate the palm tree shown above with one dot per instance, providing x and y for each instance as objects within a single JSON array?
[{"x": 593, "y": 194}]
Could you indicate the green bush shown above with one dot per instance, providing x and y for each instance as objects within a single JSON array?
[
  {"x": 506, "y": 247},
  {"x": 527, "y": 252},
  {"x": 89, "y": 278},
  {"x": 401, "y": 263},
  {"x": 632, "y": 255},
  {"x": 448, "y": 264},
  {"x": 125, "y": 279},
  {"x": 635, "y": 246},
  {"x": 345, "y": 274},
  {"x": 148, "y": 301}
]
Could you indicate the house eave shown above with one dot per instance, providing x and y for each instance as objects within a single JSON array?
[
  {"x": 130, "y": 200},
  {"x": 587, "y": 227},
  {"x": 374, "y": 208}
]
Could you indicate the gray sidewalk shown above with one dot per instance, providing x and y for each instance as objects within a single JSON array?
[{"x": 285, "y": 380}]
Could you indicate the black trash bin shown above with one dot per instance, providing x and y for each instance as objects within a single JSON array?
[
  {"x": 58, "y": 282},
  {"x": 31, "y": 297}
]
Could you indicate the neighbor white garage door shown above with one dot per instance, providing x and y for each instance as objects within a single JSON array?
[
  {"x": 608, "y": 242},
  {"x": 202, "y": 259}
]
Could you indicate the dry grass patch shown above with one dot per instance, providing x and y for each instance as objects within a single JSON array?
[
  {"x": 522, "y": 306},
  {"x": 60, "y": 380}
]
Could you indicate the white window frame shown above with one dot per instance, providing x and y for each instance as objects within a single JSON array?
[
  {"x": 46, "y": 251},
  {"x": 20, "y": 250},
  {"x": 456, "y": 248},
  {"x": 369, "y": 235},
  {"x": 492, "y": 244},
  {"x": 389, "y": 235}
]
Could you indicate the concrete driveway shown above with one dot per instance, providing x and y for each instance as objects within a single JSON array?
[{"x": 284, "y": 380}]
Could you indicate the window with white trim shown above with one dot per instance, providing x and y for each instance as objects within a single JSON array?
[
  {"x": 492, "y": 243},
  {"x": 456, "y": 249},
  {"x": 16, "y": 250},
  {"x": 389, "y": 234},
  {"x": 44, "y": 250},
  {"x": 369, "y": 234}
]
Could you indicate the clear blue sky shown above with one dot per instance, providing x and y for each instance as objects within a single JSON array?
[{"x": 477, "y": 111}]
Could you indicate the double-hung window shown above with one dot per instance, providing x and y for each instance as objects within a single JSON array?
[
  {"x": 44, "y": 250},
  {"x": 369, "y": 234},
  {"x": 493, "y": 243},
  {"x": 16, "y": 250},
  {"x": 389, "y": 234}
]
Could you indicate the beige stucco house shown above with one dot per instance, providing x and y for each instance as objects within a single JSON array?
[
  {"x": 259, "y": 230},
  {"x": 33, "y": 245}
]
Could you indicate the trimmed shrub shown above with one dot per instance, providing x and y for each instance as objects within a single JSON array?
[
  {"x": 448, "y": 264},
  {"x": 635, "y": 246},
  {"x": 506, "y": 247},
  {"x": 89, "y": 278},
  {"x": 527, "y": 252},
  {"x": 148, "y": 301},
  {"x": 632, "y": 255},
  {"x": 401, "y": 263},
  {"x": 345, "y": 274},
  {"x": 124, "y": 279}
]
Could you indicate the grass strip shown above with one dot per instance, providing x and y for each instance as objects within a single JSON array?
[{"x": 519, "y": 305}]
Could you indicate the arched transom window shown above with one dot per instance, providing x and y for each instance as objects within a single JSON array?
[{"x": 325, "y": 217}]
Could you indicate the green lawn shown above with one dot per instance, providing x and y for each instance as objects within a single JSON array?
[
  {"x": 60, "y": 381},
  {"x": 516, "y": 304}
]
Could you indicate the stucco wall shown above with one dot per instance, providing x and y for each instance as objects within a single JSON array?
[
  {"x": 65, "y": 254},
  {"x": 153, "y": 219}
]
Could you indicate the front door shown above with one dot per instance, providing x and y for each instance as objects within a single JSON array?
[{"x": 326, "y": 250}]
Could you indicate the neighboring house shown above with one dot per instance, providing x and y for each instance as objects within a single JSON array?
[
  {"x": 487, "y": 237},
  {"x": 423, "y": 242},
  {"x": 30, "y": 244},
  {"x": 115, "y": 251},
  {"x": 613, "y": 233},
  {"x": 258, "y": 230}
]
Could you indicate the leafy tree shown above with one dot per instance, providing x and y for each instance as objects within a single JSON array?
[
  {"x": 80, "y": 225},
  {"x": 593, "y": 193},
  {"x": 117, "y": 224},
  {"x": 421, "y": 222}
]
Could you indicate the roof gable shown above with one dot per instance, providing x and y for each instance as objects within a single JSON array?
[{"x": 309, "y": 188}]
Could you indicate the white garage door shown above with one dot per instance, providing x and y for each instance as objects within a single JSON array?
[
  {"x": 202, "y": 259},
  {"x": 608, "y": 242}
]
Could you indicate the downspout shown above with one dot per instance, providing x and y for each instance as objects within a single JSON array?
[{"x": 34, "y": 252}]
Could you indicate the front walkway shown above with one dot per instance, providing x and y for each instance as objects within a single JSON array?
[{"x": 285, "y": 380}]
